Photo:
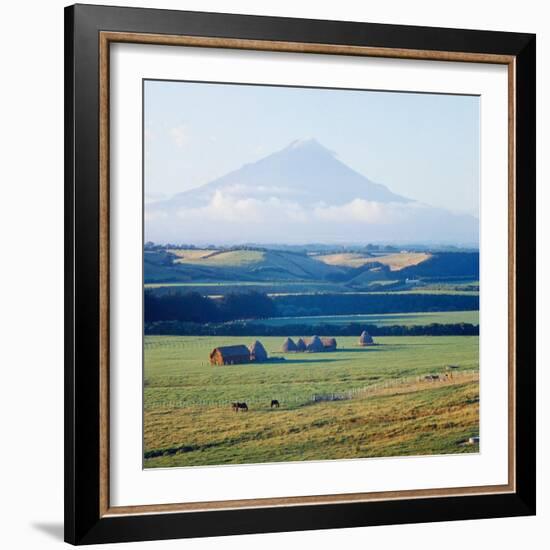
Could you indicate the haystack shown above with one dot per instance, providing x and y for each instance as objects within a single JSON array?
[
  {"x": 329, "y": 344},
  {"x": 289, "y": 345},
  {"x": 301, "y": 345},
  {"x": 315, "y": 344},
  {"x": 257, "y": 352},
  {"x": 365, "y": 339}
]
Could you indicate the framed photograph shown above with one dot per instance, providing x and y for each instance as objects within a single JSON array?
[{"x": 300, "y": 274}]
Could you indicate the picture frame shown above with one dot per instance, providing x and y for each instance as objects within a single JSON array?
[{"x": 90, "y": 31}]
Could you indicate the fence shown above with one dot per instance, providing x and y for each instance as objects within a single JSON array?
[
  {"x": 387, "y": 384},
  {"x": 306, "y": 399}
]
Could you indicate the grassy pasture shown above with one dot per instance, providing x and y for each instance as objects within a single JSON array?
[
  {"x": 229, "y": 258},
  {"x": 190, "y": 254},
  {"x": 405, "y": 319},
  {"x": 394, "y": 261},
  {"x": 188, "y": 420},
  {"x": 290, "y": 288},
  {"x": 437, "y": 291}
]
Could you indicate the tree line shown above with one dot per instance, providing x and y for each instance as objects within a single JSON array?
[
  {"x": 349, "y": 304},
  {"x": 192, "y": 307},
  {"x": 179, "y": 328}
]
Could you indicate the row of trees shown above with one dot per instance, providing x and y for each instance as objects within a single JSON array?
[
  {"x": 192, "y": 307},
  {"x": 352, "y": 329},
  {"x": 351, "y": 304}
]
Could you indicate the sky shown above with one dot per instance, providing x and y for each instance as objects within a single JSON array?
[{"x": 422, "y": 146}]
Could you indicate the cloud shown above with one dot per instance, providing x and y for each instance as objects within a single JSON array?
[
  {"x": 224, "y": 207},
  {"x": 180, "y": 135},
  {"x": 153, "y": 215},
  {"x": 233, "y": 218},
  {"x": 369, "y": 212},
  {"x": 152, "y": 197},
  {"x": 261, "y": 209}
]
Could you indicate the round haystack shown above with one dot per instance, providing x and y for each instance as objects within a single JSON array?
[
  {"x": 329, "y": 344},
  {"x": 365, "y": 339},
  {"x": 289, "y": 345},
  {"x": 301, "y": 345},
  {"x": 257, "y": 351},
  {"x": 315, "y": 344}
]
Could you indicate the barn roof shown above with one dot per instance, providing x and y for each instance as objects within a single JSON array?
[{"x": 232, "y": 351}]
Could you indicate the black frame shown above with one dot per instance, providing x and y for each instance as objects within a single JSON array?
[{"x": 83, "y": 524}]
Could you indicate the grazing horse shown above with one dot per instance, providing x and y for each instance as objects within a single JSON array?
[
  {"x": 237, "y": 406},
  {"x": 432, "y": 377},
  {"x": 275, "y": 403}
]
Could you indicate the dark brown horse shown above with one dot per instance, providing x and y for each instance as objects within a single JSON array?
[
  {"x": 242, "y": 406},
  {"x": 275, "y": 403}
]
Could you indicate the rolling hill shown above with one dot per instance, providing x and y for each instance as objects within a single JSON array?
[
  {"x": 395, "y": 262},
  {"x": 271, "y": 266},
  {"x": 235, "y": 265}
]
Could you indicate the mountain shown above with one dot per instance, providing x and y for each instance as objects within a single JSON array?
[
  {"x": 302, "y": 193},
  {"x": 304, "y": 171}
]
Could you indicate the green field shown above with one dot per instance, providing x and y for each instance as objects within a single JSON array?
[
  {"x": 451, "y": 292},
  {"x": 232, "y": 258},
  {"x": 294, "y": 288},
  {"x": 394, "y": 261},
  {"x": 387, "y": 319},
  {"x": 271, "y": 288},
  {"x": 386, "y": 408}
]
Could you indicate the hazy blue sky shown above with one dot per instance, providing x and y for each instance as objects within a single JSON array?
[{"x": 422, "y": 146}]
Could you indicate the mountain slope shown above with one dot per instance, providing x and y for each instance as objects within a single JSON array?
[
  {"x": 305, "y": 172},
  {"x": 300, "y": 194}
]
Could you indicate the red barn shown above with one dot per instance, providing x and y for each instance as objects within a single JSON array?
[{"x": 230, "y": 355}]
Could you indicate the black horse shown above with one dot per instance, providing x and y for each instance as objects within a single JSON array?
[
  {"x": 275, "y": 403},
  {"x": 241, "y": 406}
]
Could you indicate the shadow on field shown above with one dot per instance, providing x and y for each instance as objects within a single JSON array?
[
  {"x": 432, "y": 342},
  {"x": 360, "y": 349},
  {"x": 321, "y": 357},
  {"x": 283, "y": 361}
]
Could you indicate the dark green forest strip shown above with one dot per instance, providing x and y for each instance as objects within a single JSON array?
[
  {"x": 178, "y": 328},
  {"x": 195, "y": 308}
]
